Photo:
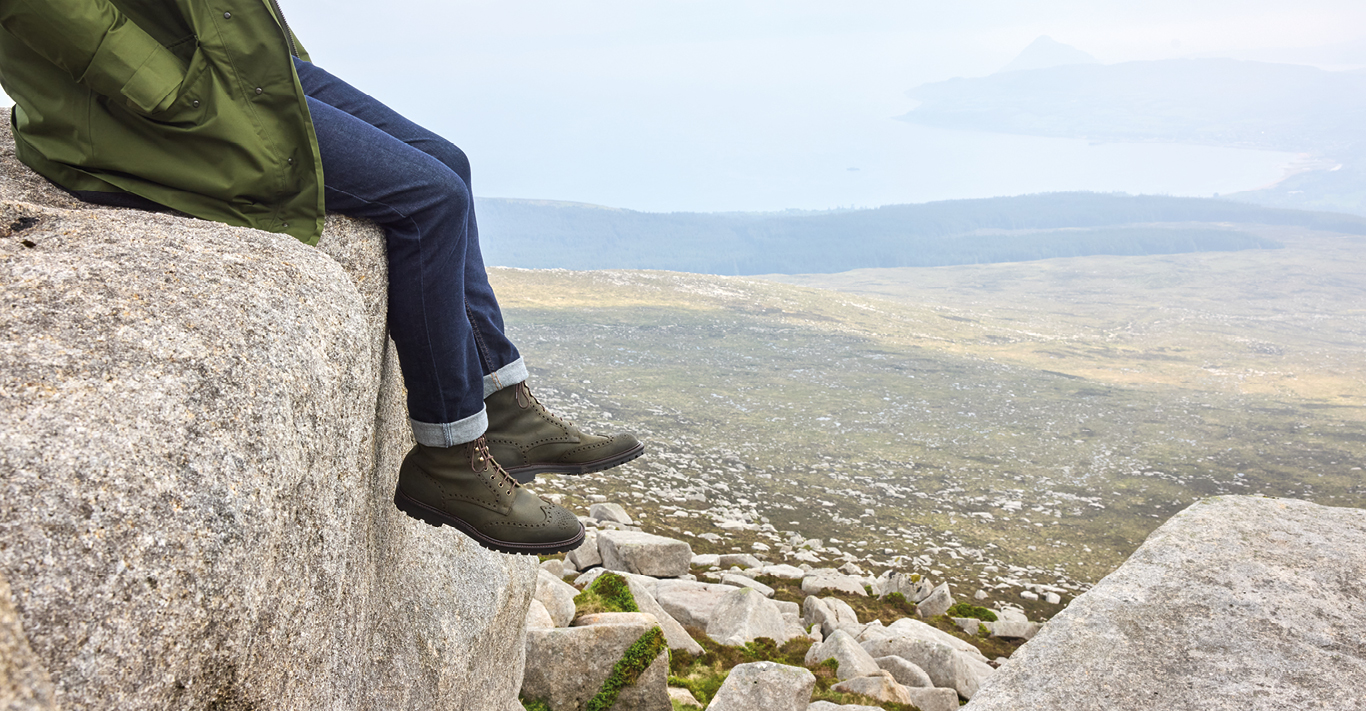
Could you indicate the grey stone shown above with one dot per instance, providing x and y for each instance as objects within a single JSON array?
[
  {"x": 851, "y": 568},
  {"x": 1029, "y": 595},
  {"x": 537, "y": 617},
  {"x": 199, "y": 438},
  {"x": 794, "y": 630},
  {"x": 905, "y": 673},
  {"x": 913, "y": 587},
  {"x": 830, "y": 613},
  {"x": 566, "y": 666},
  {"x": 872, "y": 630},
  {"x": 616, "y": 618},
  {"x": 1235, "y": 603},
  {"x": 610, "y": 512},
  {"x": 853, "y": 660},
  {"x": 969, "y": 625},
  {"x": 946, "y": 667},
  {"x": 677, "y": 637},
  {"x": 816, "y": 584},
  {"x": 586, "y": 579},
  {"x": 1011, "y": 614},
  {"x": 24, "y": 684},
  {"x": 691, "y": 603},
  {"x": 683, "y": 697},
  {"x": 781, "y": 570},
  {"x": 1013, "y": 630},
  {"x": 744, "y": 582},
  {"x": 979, "y": 670},
  {"x": 644, "y": 553},
  {"x": 764, "y": 686},
  {"x": 791, "y": 610},
  {"x": 915, "y": 629},
  {"x": 815, "y": 611},
  {"x": 743, "y": 560},
  {"x": 586, "y": 555},
  {"x": 557, "y": 596},
  {"x": 930, "y": 699},
  {"x": 936, "y": 603},
  {"x": 979, "y": 595},
  {"x": 880, "y": 686},
  {"x": 554, "y": 566},
  {"x": 1052, "y": 598},
  {"x": 745, "y": 615},
  {"x": 844, "y": 615},
  {"x": 831, "y": 706},
  {"x": 706, "y": 560}
]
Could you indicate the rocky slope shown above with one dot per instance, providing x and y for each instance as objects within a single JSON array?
[
  {"x": 906, "y": 644},
  {"x": 200, "y": 428},
  {"x": 1238, "y": 602}
]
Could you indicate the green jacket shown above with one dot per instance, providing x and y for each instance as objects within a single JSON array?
[{"x": 193, "y": 104}]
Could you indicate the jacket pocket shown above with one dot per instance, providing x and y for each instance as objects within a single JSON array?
[{"x": 191, "y": 97}]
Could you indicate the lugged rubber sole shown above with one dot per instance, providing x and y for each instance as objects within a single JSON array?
[
  {"x": 527, "y": 472},
  {"x": 435, "y": 517}
]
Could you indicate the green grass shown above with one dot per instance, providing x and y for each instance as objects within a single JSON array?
[
  {"x": 634, "y": 661},
  {"x": 608, "y": 593},
  {"x": 963, "y": 609},
  {"x": 703, "y": 674}
]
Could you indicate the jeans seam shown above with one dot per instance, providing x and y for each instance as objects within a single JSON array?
[{"x": 485, "y": 358}]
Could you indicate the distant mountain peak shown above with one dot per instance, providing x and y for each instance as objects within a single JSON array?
[{"x": 1047, "y": 52}]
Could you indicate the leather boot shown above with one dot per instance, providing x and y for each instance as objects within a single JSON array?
[
  {"x": 463, "y": 487},
  {"x": 528, "y": 440}
]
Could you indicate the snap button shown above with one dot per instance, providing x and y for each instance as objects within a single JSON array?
[
  {"x": 195, "y": 103},
  {"x": 287, "y": 160},
  {"x": 286, "y": 224},
  {"x": 259, "y": 90},
  {"x": 227, "y": 16}
]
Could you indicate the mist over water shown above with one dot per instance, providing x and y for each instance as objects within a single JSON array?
[
  {"x": 766, "y": 106},
  {"x": 862, "y": 163}
]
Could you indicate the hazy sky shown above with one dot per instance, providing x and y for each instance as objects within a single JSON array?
[{"x": 766, "y": 104}]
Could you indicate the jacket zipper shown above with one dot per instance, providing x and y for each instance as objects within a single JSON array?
[{"x": 284, "y": 25}]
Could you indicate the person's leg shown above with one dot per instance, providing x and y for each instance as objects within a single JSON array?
[
  {"x": 424, "y": 209},
  {"x": 449, "y": 477},
  {"x": 523, "y": 436},
  {"x": 502, "y": 364}
]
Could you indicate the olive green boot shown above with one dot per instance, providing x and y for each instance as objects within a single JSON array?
[
  {"x": 528, "y": 440},
  {"x": 462, "y": 486}
]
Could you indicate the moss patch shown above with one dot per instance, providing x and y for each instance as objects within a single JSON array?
[
  {"x": 703, "y": 674},
  {"x": 534, "y": 704},
  {"x": 628, "y": 669},
  {"x": 963, "y": 609},
  {"x": 608, "y": 593}
]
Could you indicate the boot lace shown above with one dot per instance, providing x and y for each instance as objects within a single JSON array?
[{"x": 501, "y": 477}]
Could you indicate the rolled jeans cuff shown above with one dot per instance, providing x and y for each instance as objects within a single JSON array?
[
  {"x": 510, "y": 374},
  {"x": 451, "y": 433}
]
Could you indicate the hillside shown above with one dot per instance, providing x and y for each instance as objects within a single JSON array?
[
  {"x": 540, "y": 234},
  {"x": 1001, "y": 424}
]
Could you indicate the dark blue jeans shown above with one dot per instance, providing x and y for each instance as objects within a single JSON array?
[{"x": 443, "y": 316}]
